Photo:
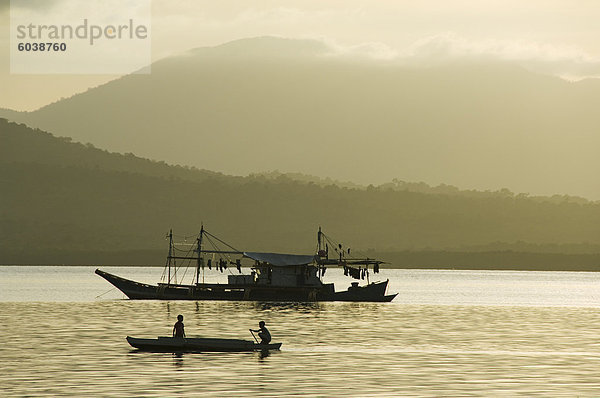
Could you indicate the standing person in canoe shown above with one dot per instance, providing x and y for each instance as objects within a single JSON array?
[
  {"x": 178, "y": 328},
  {"x": 263, "y": 333}
]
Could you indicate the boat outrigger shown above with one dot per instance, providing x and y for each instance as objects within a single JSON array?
[{"x": 273, "y": 277}]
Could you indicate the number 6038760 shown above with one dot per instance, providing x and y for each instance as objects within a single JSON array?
[{"x": 42, "y": 47}]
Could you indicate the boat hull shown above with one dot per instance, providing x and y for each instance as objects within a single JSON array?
[
  {"x": 183, "y": 344},
  {"x": 374, "y": 292}
]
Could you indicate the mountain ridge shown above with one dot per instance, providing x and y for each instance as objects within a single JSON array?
[
  {"x": 475, "y": 125},
  {"x": 35, "y": 145}
]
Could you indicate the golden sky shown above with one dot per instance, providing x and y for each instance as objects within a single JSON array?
[{"x": 557, "y": 37}]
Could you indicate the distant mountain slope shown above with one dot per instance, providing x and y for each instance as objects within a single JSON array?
[
  {"x": 9, "y": 113},
  {"x": 21, "y": 144},
  {"x": 267, "y": 103},
  {"x": 60, "y": 197}
]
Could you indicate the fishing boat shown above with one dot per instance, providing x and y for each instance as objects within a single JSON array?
[
  {"x": 273, "y": 276},
  {"x": 184, "y": 344}
]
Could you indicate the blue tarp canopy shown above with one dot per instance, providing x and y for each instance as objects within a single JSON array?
[{"x": 281, "y": 260}]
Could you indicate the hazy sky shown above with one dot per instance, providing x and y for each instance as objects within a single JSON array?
[{"x": 551, "y": 36}]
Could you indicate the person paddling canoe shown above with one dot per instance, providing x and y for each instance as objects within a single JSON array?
[
  {"x": 178, "y": 328},
  {"x": 263, "y": 333}
]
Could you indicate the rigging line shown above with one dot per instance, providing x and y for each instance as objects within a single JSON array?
[
  {"x": 100, "y": 295},
  {"x": 214, "y": 246},
  {"x": 210, "y": 241},
  {"x": 327, "y": 237},
  {"x": 225, "y": 254},
  {"x": 187, "y": 264},
  {"x": 163, "y": 277},
  {"x": 359, "y": 252},
  {"x": 225, "y": 243},
  {"x": 335, "y": 244},
  {"x": 190, "y": 253},
  {"x": 332, "y": 241},
  {"x": 182, "y": 263}
]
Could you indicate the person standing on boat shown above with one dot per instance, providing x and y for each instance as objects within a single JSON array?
[
  {"x": 263, "y": 333},
  {"x": 178, "y": 328}
]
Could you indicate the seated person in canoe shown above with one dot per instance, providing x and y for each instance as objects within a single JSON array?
[{"x": 263, "y": 333}]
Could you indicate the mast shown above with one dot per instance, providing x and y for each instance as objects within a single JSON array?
[
  {"x": 170, "y": 254},
  {"x": 319, "y": 239},
  {"x": 199, "y": 264}
]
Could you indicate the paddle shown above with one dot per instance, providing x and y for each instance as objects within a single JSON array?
[{"x": 252, "y": 333}]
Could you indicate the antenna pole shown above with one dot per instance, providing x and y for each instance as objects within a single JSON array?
[
  {"x": 319, "y": 238},
  {"x": 199, "y": 240},
  {"x": 170, "y": 254}
]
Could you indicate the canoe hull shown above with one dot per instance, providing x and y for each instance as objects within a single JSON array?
[
  {"x": 181, "y": 344},
  {"x": 374, "y": 292}
]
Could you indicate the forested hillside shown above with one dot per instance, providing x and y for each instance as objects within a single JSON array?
[{"x": 64, "y": 202}]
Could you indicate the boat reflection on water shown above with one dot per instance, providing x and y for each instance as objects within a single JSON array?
[
  {"x": 307, "y": 307},
  {"x": 178, "y": 359},
  {"x": 264, "y": 354}
]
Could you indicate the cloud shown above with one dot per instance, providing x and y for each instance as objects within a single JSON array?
[
  {"x": 30, "y": 4},
  {"x": 385, "y": 31},
  {"x": 39, "y": 5},
  {"x": 564, "y": 61},
  {"x": 372, "y": 50},
  {"x": 567, "y": 62}
]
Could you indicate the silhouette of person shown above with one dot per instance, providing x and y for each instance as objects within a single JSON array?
[
  {"x": 263, "y": 333},
  {"x": 178, "y": 328}
]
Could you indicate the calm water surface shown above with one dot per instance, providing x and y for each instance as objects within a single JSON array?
[{"x": 448, "y": 333}]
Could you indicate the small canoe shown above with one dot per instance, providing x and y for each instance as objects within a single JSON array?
[{"x": 184, "y": 344}]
